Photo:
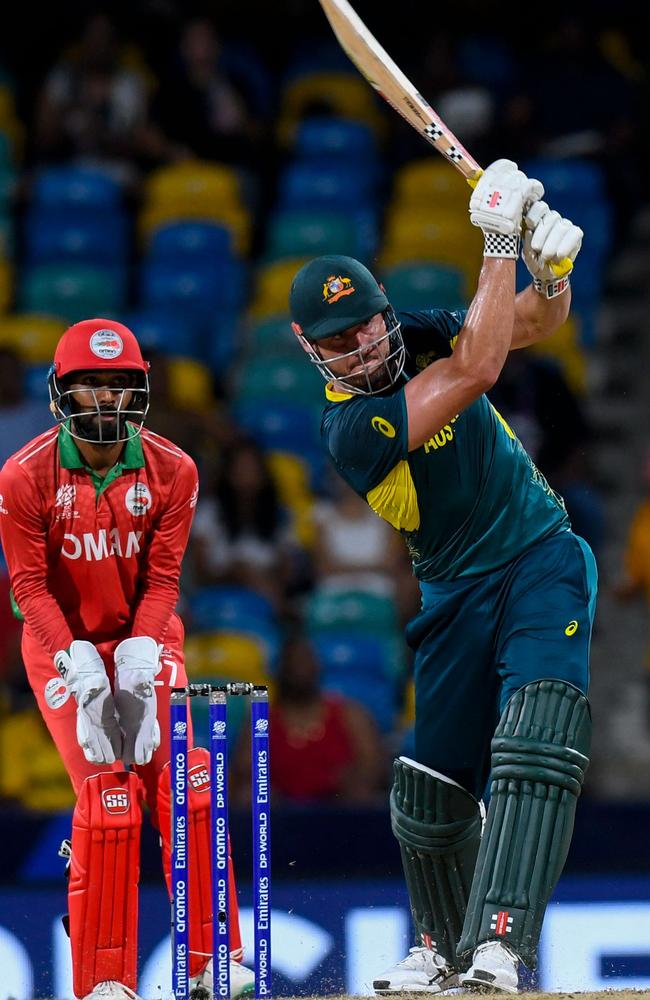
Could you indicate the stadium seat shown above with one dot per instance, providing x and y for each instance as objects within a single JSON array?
[
  {"x": 352, "y": 611},
  {"x": 362, "y": 667},
  {"x": 55, "y": 235},
  {"x": 340, "y": 93},
  {"x": 72, "y": 187},
  {"x": 293, "y": 379},
  {"x": 293, "y": 479},
  {"x": 198, "y": 288},
  {"x": 190, "y": 384},
  {"x": 573, "y": 179},
  {"x": 272, "y": 284},
  {"x": 36, "y": 385},
  {"x": 272, "y": 335},
  {"x": 307, "y": 233},
  {"x": 326, "y": 137},
  {"x": 425, "y": 285},
  {"x": 193, "y": 184},
  {"x": 227, "y": 606},
  {"x": 164, "y": 331},
  {"x": 321, "y": 184},
  {"x": 34, "y": 336},
  {"x": 279, "y": 424},
  {"x": 192, "y": 239},
  {"x": 73, "y": 291},
  {"x": 430, "y": 183},
  {"x": 226, "y": 654}
]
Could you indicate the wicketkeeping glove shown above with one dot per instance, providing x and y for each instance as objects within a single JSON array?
[
  {"x": 549, "y": 239},
  {"x": 137, "y": 661},
  {"x": 98, "y": 732},
  {"x": 497, "y": 205}
]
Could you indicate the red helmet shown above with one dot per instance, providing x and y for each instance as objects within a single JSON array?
[{"x": 94, "y": 344}]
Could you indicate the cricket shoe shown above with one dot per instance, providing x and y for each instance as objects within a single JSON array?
[
  {"x": 494, "y": 969},
  {"x": 424, "y": 970},
  {"x": 111, "y": 990},
  {"x": 242, "y": 980}
]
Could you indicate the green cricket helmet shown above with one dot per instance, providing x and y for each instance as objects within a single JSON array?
[{"x": 332, "y": 293}]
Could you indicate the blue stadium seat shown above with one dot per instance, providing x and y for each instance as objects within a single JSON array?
[
  {"x": 75, "y": 187},
  {"x": 368, "y": 655},
  {"x": 377, "y": 696},
  {"x": 227, "y": 607},
  {"x": 202, "y": 288},
  {"x": 327, "y": 137},
  {"x": 577, "y": 180},
  {"x": 55, "y": 235},
  {"x": 36, "y": 382},
  {"x": 164, "y": 331},
  {"x": 189, "y": 239},
  {"x": 279, "y": 425},
  {"x": 320, "y": 184}
]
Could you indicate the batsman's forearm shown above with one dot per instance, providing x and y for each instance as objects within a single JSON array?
[
  {"x": 486, "y": 336},
  {"x": 536, "y": 317}
]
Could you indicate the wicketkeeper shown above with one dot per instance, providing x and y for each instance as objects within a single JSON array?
[
  {"x": 94, "y": 522},
  {"x": 508, "y": 591}
]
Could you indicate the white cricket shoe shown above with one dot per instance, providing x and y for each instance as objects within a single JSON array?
[
  {"x": 424, "y": 970},
  {"x": 242, "y": 980},
  {"x": 111, "y": 990},
  {"x": 494, "y": 968}
]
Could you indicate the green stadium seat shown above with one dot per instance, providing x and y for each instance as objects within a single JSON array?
[
  {"x": 297, "y": 233},
  {"x": 352, "y": 611},
  {"x": 293, "y": 379},
  {"x": 73, "y": 291},
  {"x": 425, "y": 286}
]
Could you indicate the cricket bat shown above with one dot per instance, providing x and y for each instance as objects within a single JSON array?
[{"x": 386, "y": 77}]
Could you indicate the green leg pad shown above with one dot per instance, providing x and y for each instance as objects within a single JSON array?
[
  {"x": 438, "y": 826},
  {"x": 539, "y": 758}
]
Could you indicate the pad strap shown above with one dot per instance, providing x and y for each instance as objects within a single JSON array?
[
  {"x": 199, "y": 840},
  {"x": 539, "y": 758},
  {"x": 104, "y": 876},
  {"x": 438, "y": 826}
]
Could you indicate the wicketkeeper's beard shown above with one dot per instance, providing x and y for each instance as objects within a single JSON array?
[{"x": 103, "y": 428}]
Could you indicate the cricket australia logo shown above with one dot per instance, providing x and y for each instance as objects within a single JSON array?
[
  {"x": 65, "y": 498},
  {"x": 336, "y": 287},
  {"x": 261, "y": 727}
]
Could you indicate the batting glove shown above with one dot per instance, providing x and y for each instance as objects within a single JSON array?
[
  {"x": 98, "y": 732},
  {"x": 497, "y": 205},
  {"x": 549, "y": 239},
  {"x": 137, "y": 662}
]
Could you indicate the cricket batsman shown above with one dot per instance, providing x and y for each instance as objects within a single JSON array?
[
  {"x": 94, "y": 519},
  {"x": 508, "y": 591}
]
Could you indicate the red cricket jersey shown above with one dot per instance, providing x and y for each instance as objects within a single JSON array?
[{"x": 91, "y": 559}]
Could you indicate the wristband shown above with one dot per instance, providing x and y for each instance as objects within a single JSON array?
[
  {"x": 498, "y": 245},
  {"x": 551, "y": 289}
]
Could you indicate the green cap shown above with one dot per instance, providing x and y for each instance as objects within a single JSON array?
[{"x": 331, "y": 293}]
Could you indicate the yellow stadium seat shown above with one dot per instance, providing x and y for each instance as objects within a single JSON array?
[
  {"x": 34, "y": 336},
  {"x": 190, "y": 384},
  {"x": 6, "y": 284},
  {"x": 31, "y": 769},
  {"x": 291, "y": 475},
  {"x": 195, "y": 190},
  {"x": 564, "y": 347},
  {"x": 344, "y": 94},
  {"x": 231, "y": 656},
  {"x": 433, "y": 183},
  {"x": 272, "y": 287},
  {"x": 411, "y": 236}
]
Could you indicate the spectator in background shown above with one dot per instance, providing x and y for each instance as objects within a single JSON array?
[
  {"x": 21, "y": 418},
  {"x": 206, "y": 107},
  {"x": 326, "y": 747},
  {"x": 355, "y": 550},
  {"x": 240, "y": 533},
  {"x": 93, "y": 105}
]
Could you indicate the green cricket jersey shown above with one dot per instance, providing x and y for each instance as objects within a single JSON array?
[{"x": 468, "y": 500}]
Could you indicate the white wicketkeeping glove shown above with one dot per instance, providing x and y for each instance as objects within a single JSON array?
[
  {"x": 83, "y": 671},
  {"x": 549, "y": 239},
  {"x": 137, "y": 661},
  {"x": 498, "y": 203}
]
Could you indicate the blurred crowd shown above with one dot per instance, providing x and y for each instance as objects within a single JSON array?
[{"x": 173, "y": 169}]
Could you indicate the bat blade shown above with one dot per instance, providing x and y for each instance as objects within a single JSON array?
[{"x": 382, "y": 73}]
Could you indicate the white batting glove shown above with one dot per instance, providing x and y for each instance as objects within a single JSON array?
[
  {"x": 497, "y": 205},
  {"x": 137, "y": 661},
  {"x": 98, "y": 732},
  {"x": 549, "y": 239}
]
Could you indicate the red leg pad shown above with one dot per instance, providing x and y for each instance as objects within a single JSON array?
[
  {"x": 104, "y": 876},
  {"x": 200, "y": 912}
]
